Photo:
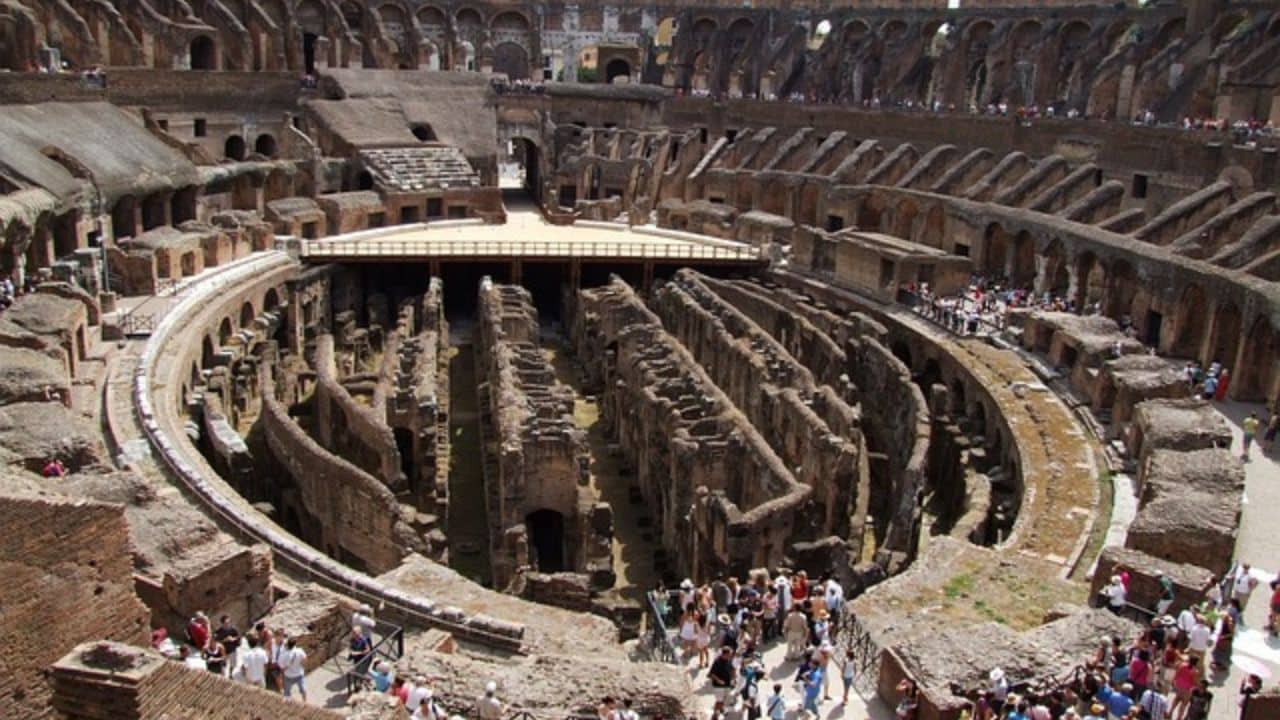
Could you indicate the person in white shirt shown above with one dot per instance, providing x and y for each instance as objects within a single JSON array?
[
  {"x": 1200, "y": 638},
  {"x": 421, "y": 693},
  {"x": 488, "y": 706},
  {"x": 783, "y": 586},
  {"x": 253, "y": 664},
  {"x": 626, "y": 713},
  {"x": 191, "y": 660},
  {"x": 1242, "y": 584},
  {"x": 835, "y": 603},
  {"x": 1115, "y": 595},
  {"x": 293, "y": 661}
]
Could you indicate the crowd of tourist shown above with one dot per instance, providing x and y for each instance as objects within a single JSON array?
[
  {"x": 724, "y": 626},
  {"x": 1165, "y": 672},
  {"x": 263, "y": 657}
]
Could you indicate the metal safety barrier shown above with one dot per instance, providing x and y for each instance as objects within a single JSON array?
[{"x": 445, "y": 249}]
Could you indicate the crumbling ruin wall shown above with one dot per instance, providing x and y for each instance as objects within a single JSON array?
[
  {"x": 138, "y": 684},
  {"x": 778, "y": 395},
  {"x": 542, "y": 459},
  {"x": 349, "y": 429},
  {"x": 691, "y": 447},
  {"x": 1189, "y": 507},
  {"x": 68, "y": 569},
  {"x": 346, "y": 509}
]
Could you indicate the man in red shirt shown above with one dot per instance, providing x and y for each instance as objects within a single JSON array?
[{"x": 198, "y": 631}]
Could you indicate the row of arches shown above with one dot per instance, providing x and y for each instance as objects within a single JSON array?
[{"x": 235, "y": 147}]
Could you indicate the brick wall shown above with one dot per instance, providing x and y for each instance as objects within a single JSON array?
[{"x": 67, "y": 568}]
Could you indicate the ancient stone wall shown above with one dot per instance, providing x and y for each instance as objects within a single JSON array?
[
  {"x": 342, "y": 508},
  {"x": 691, "y": 447},
  {"x": 541, "y": 454},
  {"x": 814, "y": 432},
  {"x": 68, "y": 579}
]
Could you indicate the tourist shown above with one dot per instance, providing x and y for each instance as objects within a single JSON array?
[
  {"x": 399, "y": 690},
  {"x": 421, "y": 694},
  {"x": 1198, "y": 641},
  {"x": 1249, "y": 687},
  {"x": 1201, "y": 702},
  {"x": 1242, "y": 584},
  {"x": 198, "y": 631},
  {"x": 769, "y": 607},
  {"x": 777, "y": 707},
  {"x": 293, "y": 669},
  {"x": 1115, "y": 595},
  {"x": 1118, "y": 701},
  {"x": 1155, "y": 706},
  {"x": 1269, "y": 437},
  {"x": 360, "y": 651},
  {"x": 192, "y": 660},
  {"x": 702, "y": 639},
  {"x": 488, "y": 706},
  {"x": 687, "y": 594},
  {"x": 253, "y": 664},
  {"x": 1250, "y": 428},
  {"x": 999, "y": 689},
  {"x": 847, "y": 671},
  {"x": 1185, "y": 679},
  {"x": 1140, "y": 671},
  {"x": 627, "y": 712},
  {"x": 723, "y": 675},
  {"x": 1273, "y": 618},
  {"x": 812, "y": 681},
  {"x": 1096, "y": 712},
  {"x": 54, "y": 468},
  {"x": 835, "y": 604},
  {"x": 228, "y": 637},
  {"x": 215, "y": 659},
  {"x": 1224, "y": 381},
  {"x": 1166, "y": 594},
  {"x": 273, "y": 644},
  {"x": 381, "y": 675},
  {"x": 689, "y": 631},
  {"x": 796, "y": 631},
  {"x": 1223, "y": 642}
]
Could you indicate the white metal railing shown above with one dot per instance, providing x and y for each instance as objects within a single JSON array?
[{"x": 444, "y": 248}]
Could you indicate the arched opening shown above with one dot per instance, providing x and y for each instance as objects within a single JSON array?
[
  {"x": 1192, "y": 312},
  {"x": 309, "y": 52},
  {"x": 1122, "y": 284},
  {"x": 271, "y": 300},
  {"x": 234, "y": 148},
  {"x": 902, "y": 352},
  {"x": 124, "y": 217},
  {"x": 995, "y": 250},
  {"x": 1226, "y": 334},
  {"x": 977, "y": 84},
  {"x": 203, "y": 55},
  {"x": 904, "y": 220},
  {"x": 1255, "y": 378},
  {"x": 1024, "y": 261},
  {"x": 182, "y": 207},
  {"x": 224, "y": 332},
  {"x": 934, "y": 229},
  {"x": 1055, "y": 278},
  {"x": 617, "y": 69},
  {"x": 265, "y": 145},
  {"x": 511, "y": 60},
  {"x": 206, "y": 353},
  {"x": 546, "y": 540},
  {"x": 246, "y": 315},
  {"x": 523, "y": 169},
  {"x": 1090, "y": 281},
  {"x": 404, "y": 447},
  {"x": 423, "y": 132},
  {"x": 364, "y": 181}
]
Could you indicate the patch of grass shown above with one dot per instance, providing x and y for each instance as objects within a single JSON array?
[{"x": 959, "y": 586}]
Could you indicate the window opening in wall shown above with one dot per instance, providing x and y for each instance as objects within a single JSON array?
[
  {"x": 435, "y": 207},
  {"x": 163, "y": 123},
  {"x": 835, "y": 223},
  {"x": 377, "y": 219},
  {"x": 1097, "y": 177},
  {"x": 408, "y": 215},
  {"x": 1139, "y": 185},
  {"x": 702, "y": 133},
  {"x": 962, "y": 250},
  {"x": 309, "y": 230},
  {"x": 200, "y": 127},
  {"x": 730, "y": 135},
  {"x": 886, "y": 272}
]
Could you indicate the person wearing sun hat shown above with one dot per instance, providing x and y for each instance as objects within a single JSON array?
[{"x": 1096, "y": 712}]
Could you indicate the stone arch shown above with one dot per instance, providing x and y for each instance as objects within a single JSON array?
[
  {"x": 901, "y": 351},
  {"x": 1090, "y": 280},
  {"x": 247, "y": 314},
  {"x": 265, "y": 145},
  {"x": 1022, "y": 271},
  {"x": 995, "y": 249},
  {"x": 869, "y": 212},
  {"x": 469, "y": 20},
  {"x": 976, "y": 84},
  {"x": 512, "y": 60},
  {"x": 977, "y": 36},
  {"x": 203, "y": 54},
  {"x": 510, "y": 21},
  {"x": 904, "y": 219},
  {"x": 124, "y": 217},
  {"x": 617, "y": 68},
  {"x": 547, "y": 540},
  {"x": 739, "y": 33},
  {"x": 1255, "y": 377},
  {"x": 206, "y": 353},
  {"x": 1024, "y": 38},
  {"x": 854, "y": 32},
  {"x": 310, "y": 16},
  {"x": 1122, "y": 286},
  {"x": 432, "y": 19},
  {"x": 1191, "y": 317},
  {"x": 1054, "y": 276},
  {"x": 353, "y": 16},
  {"x": 271, "y": 300},
  {"x": 893, "y": 30},
  {"x": 225, "y": 331},
  {"x": 1226, "y": 329},
  {"x": 467, "y": 61},
  {"x": 934, "y": 230},
  {"x": 704, "y": 27},
  {"x": 234, "y": 148}
]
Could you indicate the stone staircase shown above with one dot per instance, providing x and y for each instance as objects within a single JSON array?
[{"x": 416, "y": 169}]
